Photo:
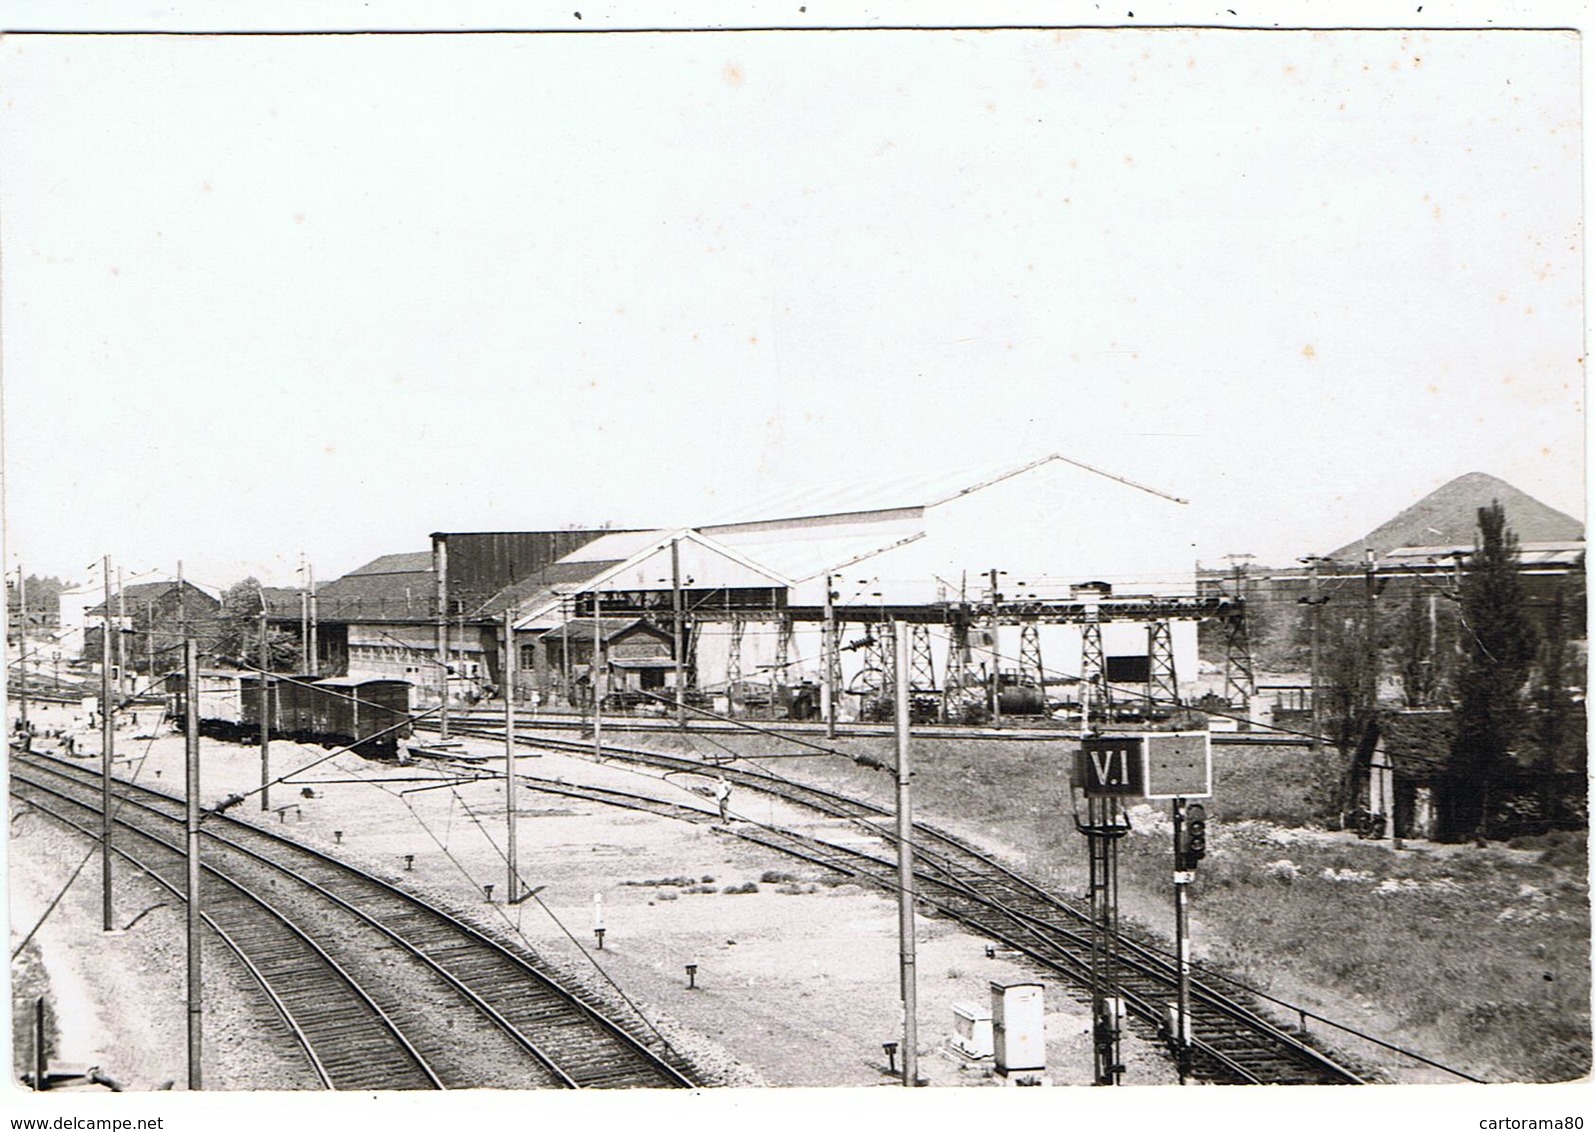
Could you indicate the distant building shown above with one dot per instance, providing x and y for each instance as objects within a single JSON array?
[{"x": 154, "y": 617}]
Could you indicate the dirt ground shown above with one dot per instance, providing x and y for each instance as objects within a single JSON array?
[{"x": 796, "y": 979}]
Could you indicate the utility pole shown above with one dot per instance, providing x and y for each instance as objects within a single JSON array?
[
  {"x": 676, "y": 614},
  {"x": 22, "y": 654},
  {"x": 107, "y": 741},
  {"x": 905, "y": 867},
  {"x": 265, "y": 711},
  {"x": 828, "y": 660},
  {"x": 1182, "y": 945},
  {"x": 564, "y": 651},
  {"x": 304, "y": 621},
  {"x": 121, "y": 637},
  {"x": 1316, "y": 603},
  {"x": 149, "y": 636},
  {"x": 440, "y": 566},
  {"x": 513, "y": 887},
  {"x": 182, "y": 609},
  {"x": 996, "y": 657},
  {"x": 191, "y": 748},
  {"x": 310, "y": 599},
  {"x": 593, "y": 677}
]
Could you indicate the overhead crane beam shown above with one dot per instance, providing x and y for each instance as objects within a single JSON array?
[{"x": 1067, "y": 611}]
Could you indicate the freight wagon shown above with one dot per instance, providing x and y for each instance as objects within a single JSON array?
[{"x": 371, "y": 715}]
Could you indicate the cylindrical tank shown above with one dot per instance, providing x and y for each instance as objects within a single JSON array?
[{"x": 1021, "y": 699}]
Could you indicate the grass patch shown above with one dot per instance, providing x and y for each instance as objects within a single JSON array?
[{"x": 1440, "y": 949}]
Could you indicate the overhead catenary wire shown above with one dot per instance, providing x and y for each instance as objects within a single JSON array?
[{"x": 464, "y": 871}]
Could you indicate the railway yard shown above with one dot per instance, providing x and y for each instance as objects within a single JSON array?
[{"x": 759, "y": 952}]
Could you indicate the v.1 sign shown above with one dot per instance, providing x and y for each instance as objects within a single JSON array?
[{"x": 1112, "y": 767}]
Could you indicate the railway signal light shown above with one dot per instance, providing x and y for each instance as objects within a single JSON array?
[
  {"x": 1195, "y": 831},
  {"x": 1190, "y": 842}
]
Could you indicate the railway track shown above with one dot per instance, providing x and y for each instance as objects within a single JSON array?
[
  {"x": 1234, "y": 1042},
  {"x": 644, "y": 725},
  {"x": 379, "y": 989}
]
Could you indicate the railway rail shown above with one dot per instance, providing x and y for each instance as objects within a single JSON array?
[
  {"x": 379, "y": 989},
  {"x": 1234, "y": 1042},
  {"x": 1023, "y": 731}
]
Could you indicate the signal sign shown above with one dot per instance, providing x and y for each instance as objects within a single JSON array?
[
  {"x": 1112, "y": 767},
  {"x": 1149, "y": 764},
  {"x": 1179, "y": 764}
]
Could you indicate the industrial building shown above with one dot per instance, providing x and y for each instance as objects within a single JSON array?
[{"x": 1032, "y": 571}]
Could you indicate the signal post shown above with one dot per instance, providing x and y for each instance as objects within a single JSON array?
[{"x": 1150, "y": 765}]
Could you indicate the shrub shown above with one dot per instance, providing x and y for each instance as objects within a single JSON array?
[{"x": 740, "y": 889}]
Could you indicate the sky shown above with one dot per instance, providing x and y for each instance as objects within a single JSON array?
[{"x": 270, "y": 296}]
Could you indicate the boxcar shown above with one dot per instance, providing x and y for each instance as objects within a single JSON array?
[
  {"x": 294, "y": 703},
  {"x": 354, "y": 708},
  {"x": 219, "y": 703}
]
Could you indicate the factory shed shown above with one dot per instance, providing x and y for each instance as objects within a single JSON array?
[
  {"x": 636, "y": 574},
  {"x": 1050, "y": 519},
  {"x": 395, "y": 587},
  {"x": 383, "y": 616},
  {"x": 1020, "y": 531}
]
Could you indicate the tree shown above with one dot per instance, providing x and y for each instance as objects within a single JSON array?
[
  {"x": 1350, "y": 690},
  {"x": 1499, "y": 647},
  {"x": 238, "y": 630},
  {"x": 1416, "y": 652}
]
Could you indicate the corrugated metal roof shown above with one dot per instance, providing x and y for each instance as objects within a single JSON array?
[
  {"x": 542, "y": 587},
  {"x": 581, "y": 628},
  {"x": 407, "y": 563},
  {"x": 800, "y": 558},
  {"x": 897, "y": 493},
  {"x": 617, "y": 547},
  {"x": 381, "y": 595}
]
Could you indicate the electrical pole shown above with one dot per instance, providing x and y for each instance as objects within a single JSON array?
[
  {"x": 676, "y": 614},
  {"x": 564, "y": 651},
  {"x": 593, "y": 677},
  {"x": 304, "y": 620},
  {"x": 1316, "y": 604},
  {"x": 828, "y": 660},
  {"x": 440, "y": 566},
  {"x": 121, "y": 637},
  {"x": 905, "y": 867},
  {"x": 22, "y": 655},
  {"x": 1182, "y": 945},
  {"x": 191, "y": 748},
  {"x": 106, "y": 743},
  {"x": 514, "y": 885},
  {"x": 265, "y": 712},
  {"x": 310, "y": 600},
  {"x": 996, "y": 658},
  {"x": 149, "y": 636}
]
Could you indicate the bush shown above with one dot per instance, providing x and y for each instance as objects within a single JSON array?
[{"x": 740, "y": 889}]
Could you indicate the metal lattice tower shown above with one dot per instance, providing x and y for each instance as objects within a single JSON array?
[
  {"x": 1240, "y": 681},
  {"x": 783, "y": 649},
  {"x": 1093, "y": 672},
  {"x": 882, "y": 656},
  {"x": 1030, "y": 667},
  {"x": 734, "y": 662},
  {"x": 1162, "y": 686},
  {"x": 957, "y": 693},
  {"x": 921, "y": 666}
]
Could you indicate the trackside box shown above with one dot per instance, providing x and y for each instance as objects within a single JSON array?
[{"x": 1146, "y": 764}]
